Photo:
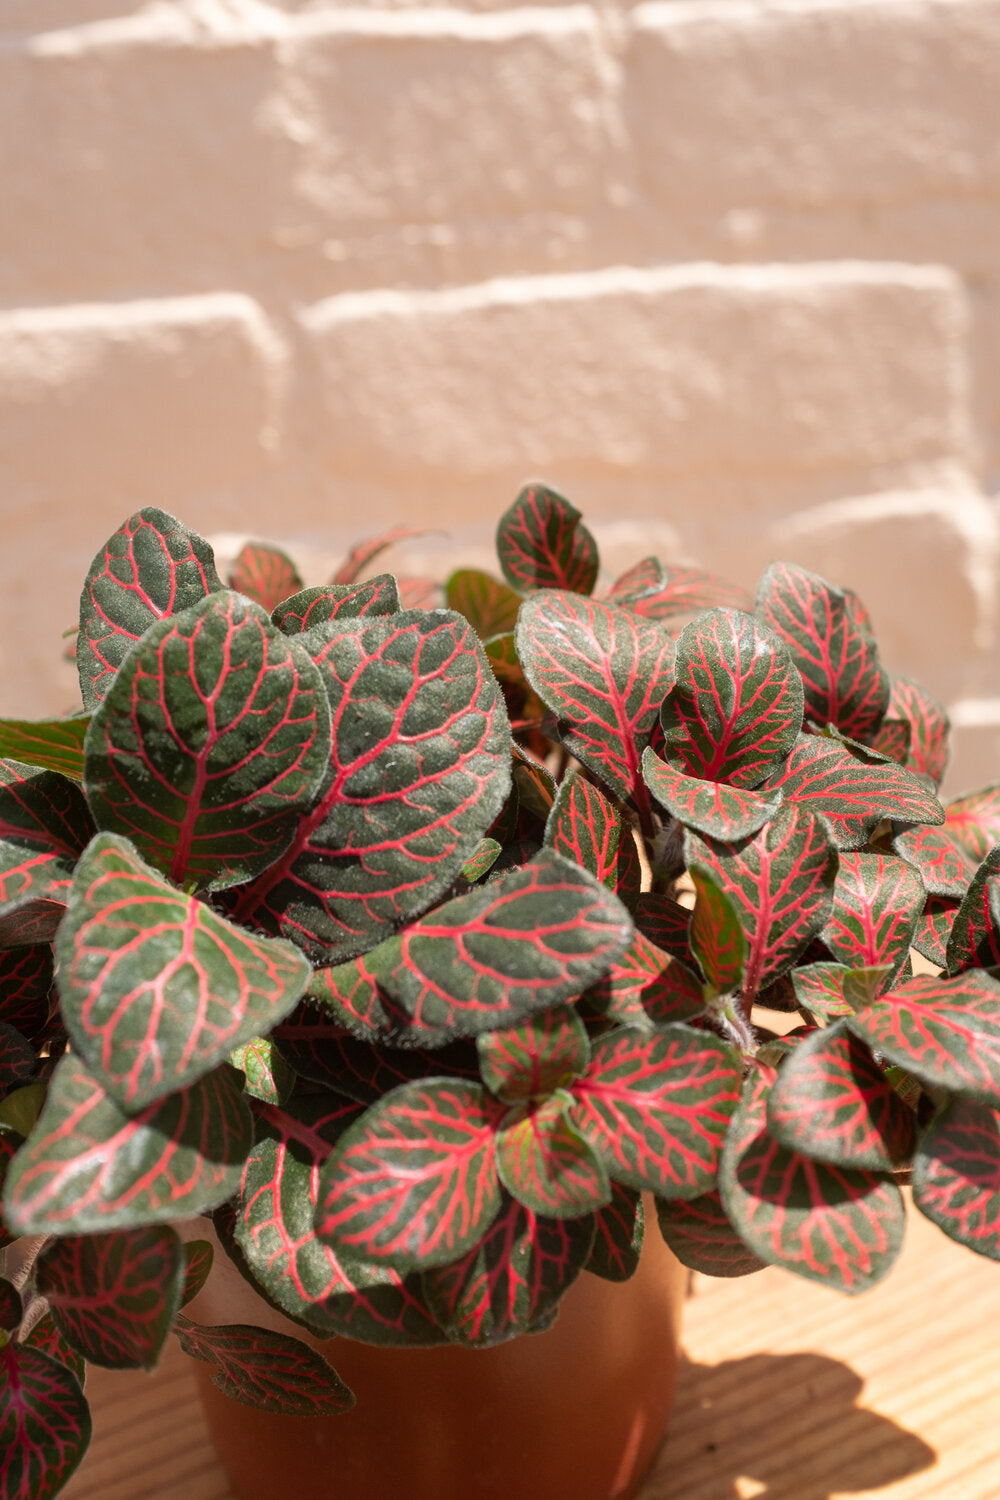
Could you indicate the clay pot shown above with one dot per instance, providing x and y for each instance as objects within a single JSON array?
[{"x": 575, "y": 1413}]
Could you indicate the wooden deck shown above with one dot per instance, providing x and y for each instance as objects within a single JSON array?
[{"x": 788, "y": 1392}]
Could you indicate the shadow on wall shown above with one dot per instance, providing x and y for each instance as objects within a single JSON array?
[{"x": 779, "y": 1427}]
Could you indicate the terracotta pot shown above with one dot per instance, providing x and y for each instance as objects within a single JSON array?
[{"x": 574, "y": 1413}]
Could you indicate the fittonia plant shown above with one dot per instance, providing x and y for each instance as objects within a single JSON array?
[{"x": 372, "y": 942}]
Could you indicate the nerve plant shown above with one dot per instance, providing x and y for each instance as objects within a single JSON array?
[{"x": 411, "y": 945}]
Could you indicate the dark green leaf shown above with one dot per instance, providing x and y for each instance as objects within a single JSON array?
[
  {"x": 337, "y": 601},
  {"x": 736, "y": 708},
  {"x": 956, "y": 1175},
  {"x": 198, "y": 1258},
  {"x": 413, "y": 1182},
  {"x": 419, "y": 769},
  {"x": 655, "y": 1107},
  {"x": 211, "y": 744},
  {"x": 544, "y": 1162},
  {"x": 522, "y": 943},
  {"x": 512, "y": 1279},
  {"x": 835, "y": 1225},
  {"x": 832, "y": 1101},
  {"x": 150, "y": 568},
  {"x": 542, "y": 545},
  {"x": 780, "y": 883},
  {"x": 710, "y": 807},
  {"x": 604, "y": 673},
  {"x": 699, "y": 1233},
  {"x": 114, "y": 1296},
  {"x": 944, "y": 1031},
  {"x": 534, "y": 1058},
  {"x": 264, "y": 574},
  {"x": 489, "y": 605},
  {"x": 90, "y": 1167},
  {"x": 837, "y": 657},
  {"x": 44, "y": 828},
  {"x": 44, "y": 1424},
  {"x": 156, "y": 988},
  {"x": 877, "y": 900},
  {"x": 618, "y": 1236},
  {"x": 266, "y": 1370}
]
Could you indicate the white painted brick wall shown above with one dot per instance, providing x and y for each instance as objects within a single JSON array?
[{"x": 726, "y": 270}]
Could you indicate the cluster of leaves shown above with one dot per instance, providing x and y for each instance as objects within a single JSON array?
[{"x": 365, "y": 929}]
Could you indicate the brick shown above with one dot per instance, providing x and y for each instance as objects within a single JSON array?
[
  {"x": 710, "y": 379},
  {"x": 924, "y": 563},
  {"x": 326, "y": 150},
  {"x": 452, "y": 120},
  {"x": 740, "y": 107},
  {"x": 975, "y": 745},
  {"x": 31, "y": 16},
  {"x": 137, "y": 165},
  {"x": 107, "y": 408}
]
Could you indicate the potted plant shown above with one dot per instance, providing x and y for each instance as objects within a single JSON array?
[{"x": 409, "y": 947}]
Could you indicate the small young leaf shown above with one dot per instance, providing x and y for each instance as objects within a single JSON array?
[
  {"x": 655, "y": 1107},
  {"x": 735, "y": 710},
  {"x": 489, "y": 605},
  {"x": 266, "y": 1370},
  {"x": 877, "y": 900},
  {"x": 781, "y": 885},
  {"x": 90, "y": 1167},
  {"x": 603, "y": 672},
  {"x": 413, "y": 1182},
  {"x": 546, "y": 1164},
  {"x": 699, "y": 1233},
  {"x": 150, "y": 568},
  {"x": 716, "y": 936},
  {"x": 512, "y": 1279},
  {"x": 44, "y": 1424},
  {"x": 267, "y": 1074},
  {"x": 618, "y": 1234},
  {"x": 114, "y": 1296},
  {"x": 956, "y": 1175},
  {"x": 852, "y": 796},
  {"x": 156, "y": 988},
  {"x": 211, "y": 744},
  {"x": 944, "y": 1031},
  {"x": 419, "y": 768},
  {"x": 49, "y": 744},
  {"x": 832, "y": 1101},
  {"x": 835, "y": 1225},
  {"x": 843, "y": 681},
  {"x": 535, "y": 1058},
  {"x": 264, "y": 574},
  {"x": 337, "y": 601},
  {"x": 829, "y": 991},
  {"x": 542, "y": 545},
  {"x": 710, "y": 807},
  {"x": 198, "y": 1258},
  {"x": 483, "y": 859}
]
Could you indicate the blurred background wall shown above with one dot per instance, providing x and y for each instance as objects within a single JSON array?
[{"x": 727, "y": 272}]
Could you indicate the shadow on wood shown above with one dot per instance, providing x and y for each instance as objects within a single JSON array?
[{"x": 781, "y": 1427}]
